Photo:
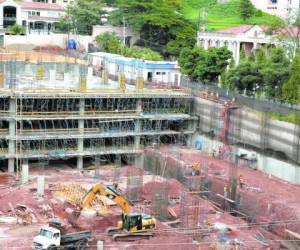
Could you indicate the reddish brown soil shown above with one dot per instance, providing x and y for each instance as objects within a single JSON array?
[{"x": 268, "y": 200}]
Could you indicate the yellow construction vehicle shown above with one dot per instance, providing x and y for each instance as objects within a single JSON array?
[{"x": 132, "y": 224}]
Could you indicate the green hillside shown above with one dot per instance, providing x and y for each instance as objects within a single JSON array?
[{"x": 221, "y": 16}]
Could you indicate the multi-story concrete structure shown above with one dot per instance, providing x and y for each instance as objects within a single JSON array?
[
  {"x": 248, "y": 37},
  {"x": 283, "y": 8},
  {"x": 152, "y": 72},
  {"x": 52, "y": 107}
]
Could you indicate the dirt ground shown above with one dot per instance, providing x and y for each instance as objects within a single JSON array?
[
  {"x": 271, "y": 202},
  {"x": 184, "y": 219}
]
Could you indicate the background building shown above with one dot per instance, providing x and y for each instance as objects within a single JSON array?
[
  {"x": 248, "y": 37},
  {"x": 35, "y": 16},
  {"x": 282, "y": 8},
  {"x": 152, "y": 72}
]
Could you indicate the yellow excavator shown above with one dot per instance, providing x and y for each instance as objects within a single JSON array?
[{"x": 132, "y": 224}]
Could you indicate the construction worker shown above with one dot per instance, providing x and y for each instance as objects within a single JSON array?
[
  {"x": 225, "y": 204},
  {"x": 241, "y": 181},
  {"x": 226, "y": 191}
]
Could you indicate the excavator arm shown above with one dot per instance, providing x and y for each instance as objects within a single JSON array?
[{"x": 109, "y": 193}]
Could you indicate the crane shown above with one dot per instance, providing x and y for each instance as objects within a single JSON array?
[{"x": 132, "y": 224}]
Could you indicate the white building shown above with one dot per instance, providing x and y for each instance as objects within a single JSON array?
[
  {"x": 248, "y": 37},
  {"x": 282, "y": 8},
  {"x": 35, "y": 16},
  {"x": 157, "y": 72}
]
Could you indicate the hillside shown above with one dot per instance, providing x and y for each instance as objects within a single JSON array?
[{"x": 221, "y": 16}]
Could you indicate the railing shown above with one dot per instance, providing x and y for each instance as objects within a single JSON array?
[{"x": 77, "y": 113}]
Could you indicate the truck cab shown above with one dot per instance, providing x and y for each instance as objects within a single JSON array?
[{"x": 47, "y": 238}]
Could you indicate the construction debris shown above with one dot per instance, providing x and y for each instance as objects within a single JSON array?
[{"x": 73, "y": 194}]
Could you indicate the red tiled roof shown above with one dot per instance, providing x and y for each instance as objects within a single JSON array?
[
  {"x": 289, "y": 31},
  {"x": 237, "y": 29},
  {"x": 46, "y": 6}
]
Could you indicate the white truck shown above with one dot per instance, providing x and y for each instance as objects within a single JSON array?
[{"x": 50, "y": 238}]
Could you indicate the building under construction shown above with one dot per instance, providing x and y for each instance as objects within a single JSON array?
[
  {"x": 56, "y": 107},
  {"x": 73, "y": 123}
]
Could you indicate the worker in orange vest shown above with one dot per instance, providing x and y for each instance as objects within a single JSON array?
[{"x": 241, "y": 181}]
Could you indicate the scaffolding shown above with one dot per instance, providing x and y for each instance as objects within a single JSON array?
[{"x": 50, "y": 110}]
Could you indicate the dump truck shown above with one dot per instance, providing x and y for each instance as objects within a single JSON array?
[{"x": 52, "y": 237}]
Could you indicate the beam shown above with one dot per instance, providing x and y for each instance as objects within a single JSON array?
[
  {"x": 227, "y": 199},
  {"x": 296, "y": 235}
]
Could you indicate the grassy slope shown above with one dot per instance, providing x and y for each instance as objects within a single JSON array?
[{"x": 221, "y": 16}]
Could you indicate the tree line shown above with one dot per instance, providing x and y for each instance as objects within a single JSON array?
[
  {"x": 159, "y": 22},
  {"x": 269, "y": 72},
  {"x": 166, "y": 33}
]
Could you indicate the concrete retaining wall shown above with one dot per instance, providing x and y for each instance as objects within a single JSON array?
[
  {"x": 45, "y": 39},
  {"x": 252, "y": 128}
]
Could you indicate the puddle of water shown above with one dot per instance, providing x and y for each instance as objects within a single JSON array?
[{"x": 6, "y": 179}]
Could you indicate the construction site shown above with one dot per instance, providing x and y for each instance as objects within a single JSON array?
[{"x": 91, "y": 161}]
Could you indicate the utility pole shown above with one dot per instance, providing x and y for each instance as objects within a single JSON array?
[
  {"x": 124, "y": 31},
  {"x": 203, "y": 20}
]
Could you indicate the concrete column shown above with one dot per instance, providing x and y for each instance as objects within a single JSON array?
[
  {"x": 81, "y": 131},
  {"x": 139, "y": 161},
  {"x": 79, "y": 162},
  {"x": 191, "y": 127},
  {"x": 11, "y": 165},
  {"x": 12, "y": 133},
  {"x": 205, "y": 44},
  {"x": 213, "y": 43},
  {"x": 230, "y": 46},
  {"x": 297, "y": 175},
  {"x": 238, "y": 47},
  {"x": 90, "y": 72},
  {"x": 52, "y": 75},
  {"x": 40, "y": 185},
  {"x": 137, "y": 128},
  {"x": 25, "y": 173},
  {"x": 67, "y": 79}
]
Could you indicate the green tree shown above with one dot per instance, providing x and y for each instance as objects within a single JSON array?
[
  {"x": 246, "y": 9},
  {"x": 108, "y": 42},
  {"x": 142, "y": 53},
  {"x": 275, "y": 72},
  {"x": 160, "y": 24},
  {"x": 204, "y": 65},
  {"x": 81, "y": 15},
  {"x": 290, "y": 90},
  {"x": 260, "y": 56},
  {"x": 110, "y": 2},
  {"x": 16, "y": 29},
  {"x": 184, "y": 37},
  {"x": 289, "y": 35},
  {"x": 245, "y": 77}
]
